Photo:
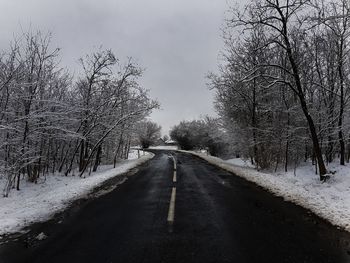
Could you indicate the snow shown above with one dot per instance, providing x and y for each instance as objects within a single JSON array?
[
  {"x": 240, "y": 162},
  {"x": 329, "y": 200},
  {"x": 38, "y": 202},
  {"x": 133, "y": 154},
  {"x": 41, "y": 236}
]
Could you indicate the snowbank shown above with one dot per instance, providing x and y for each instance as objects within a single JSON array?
[
  {"x": 240, "y": 162},
  {"x": 164, "y": 147},
  {"x": 134, "y": 153},
  {"x": 330, "y": 200},
  {"x": 38, "y": 202}
]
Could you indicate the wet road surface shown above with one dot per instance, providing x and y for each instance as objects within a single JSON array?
[{"x": 217, "y": 217}]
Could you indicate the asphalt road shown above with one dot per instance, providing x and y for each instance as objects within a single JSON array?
[{"x": 218, "y": 217}]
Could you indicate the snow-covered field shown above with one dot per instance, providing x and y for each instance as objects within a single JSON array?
[
  {"x": 330, "y": 200},
  {"x": 38, "y": 202}
]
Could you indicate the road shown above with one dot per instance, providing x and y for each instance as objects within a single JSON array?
[{"x": 217, "y": 217}]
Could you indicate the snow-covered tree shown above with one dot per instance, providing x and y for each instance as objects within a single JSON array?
[
  {"x": 148, "y": 133},
  {"x": 282, "y": 90},
  {"x": 49, "y": 122},
  {"x": 206, "y": 133}
]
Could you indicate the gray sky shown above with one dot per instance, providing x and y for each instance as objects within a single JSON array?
[{"x": 176, "y": 41}]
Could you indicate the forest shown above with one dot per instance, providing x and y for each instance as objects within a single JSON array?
[
  {"x": 283, "y": 87},
  {"x": 52, "y": 120}
]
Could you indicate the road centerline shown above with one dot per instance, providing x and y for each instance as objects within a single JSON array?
[
  {"x": 171, "y": 212},
  {"x": 174, "y": 163}
]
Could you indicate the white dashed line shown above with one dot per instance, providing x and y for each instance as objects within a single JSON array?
[
  {"x": 171, "y": 212},
  {"x": 174, "y": 163}
]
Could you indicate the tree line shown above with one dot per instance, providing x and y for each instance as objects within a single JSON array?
[
  {"x": 206, "y": 133},
  {"x": 52, "y": 121},
  {"x": 283, "y": 87}
]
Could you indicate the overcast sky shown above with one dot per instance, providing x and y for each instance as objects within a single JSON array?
[{"x": 176, "y": 41}]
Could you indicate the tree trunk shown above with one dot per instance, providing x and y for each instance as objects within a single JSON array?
[
  {"x": 254, "y": 124},
  {"x": 18, "y": 180},
  {"x": 341, "y": 113},
  {"x": 98, "y": 158},
  {"x": 301, "y": 95},
  {"x": 287, "y": 145},
  {"x": 81, "y": 156}
]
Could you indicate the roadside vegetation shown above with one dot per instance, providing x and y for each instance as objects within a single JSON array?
[
  {"x": 283, "y": 88},
  {"x": 54, "y": 121},
  {"x": 203, "y": 134},
  {"x": 148, "y": 132}
]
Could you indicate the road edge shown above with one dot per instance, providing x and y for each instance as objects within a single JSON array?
[
  {"x": 58, "y": 215},
  {"x": 230, "y": 168}
]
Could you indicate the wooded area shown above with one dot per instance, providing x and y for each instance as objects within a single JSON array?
[
  {"x": 283, "y": 89},
  {"x": 52, "y": 121}
]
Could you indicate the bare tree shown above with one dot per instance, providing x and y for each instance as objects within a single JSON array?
[
  {"x": 48, "y": 123},
  {"x": 335, "y": 16},
  {"x": 148, "y": 133},
  {"x": 283, "y": 25}
]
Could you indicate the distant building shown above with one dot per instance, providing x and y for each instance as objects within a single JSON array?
[
  {"x": 160, "y": 142},
  {"x": 171, "y": 143}
]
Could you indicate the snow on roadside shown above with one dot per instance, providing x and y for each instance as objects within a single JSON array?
[
  {"x": 329, "y": 200},
  {"x": 38, "y": 202},
  {"x": 164, "y": 147},
  {"x": 133, "y": 154},
  {"x": 240, "y": 162}
]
